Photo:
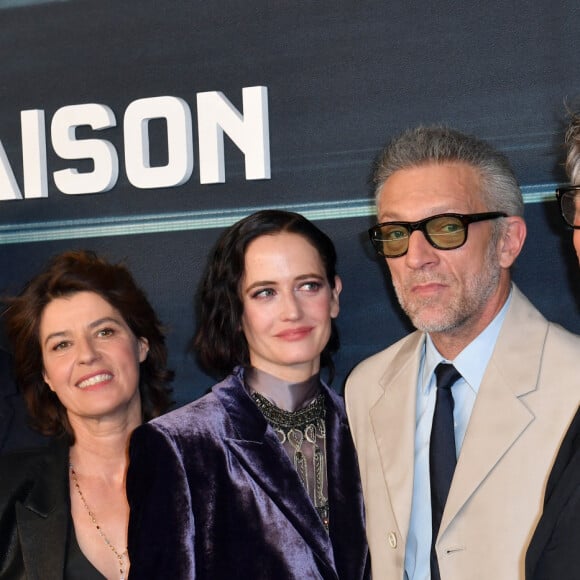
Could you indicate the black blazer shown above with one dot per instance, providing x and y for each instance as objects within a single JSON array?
[
  {"x": 554, "y": 552},
  {"x": 14, "y": 430},
  {"x": 34, "y": 513}
]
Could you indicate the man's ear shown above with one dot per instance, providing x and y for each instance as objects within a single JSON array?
[{"x": 512, "y": 241}]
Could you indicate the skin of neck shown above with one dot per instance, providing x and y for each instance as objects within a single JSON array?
[{"x": 101, "y": 448}]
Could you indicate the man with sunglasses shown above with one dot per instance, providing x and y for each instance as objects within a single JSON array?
[
  {"x": 554, "y": 551},
  {"x": 454, "y": 457}
]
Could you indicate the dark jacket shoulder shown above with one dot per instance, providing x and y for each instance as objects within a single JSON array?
[
  {"x": 553, "y": 550},
  {"x": 33, "y": 473},
  {"x": 34, "y": 512}
]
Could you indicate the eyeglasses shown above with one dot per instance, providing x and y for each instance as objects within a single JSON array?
[
  {"x": 445, "y": 231},
  {"x": 568, "y": 198}
]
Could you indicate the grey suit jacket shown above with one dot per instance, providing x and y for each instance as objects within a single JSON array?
[{"x": 527, "y": 398}]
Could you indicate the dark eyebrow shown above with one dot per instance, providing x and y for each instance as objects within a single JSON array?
[
  {"x": 61, "y": 333},
  {"x": 261, "y": 283},
  {"x": 104, "y": 320},
  {"x": 310, "y": 276}
]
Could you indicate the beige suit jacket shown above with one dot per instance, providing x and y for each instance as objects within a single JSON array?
[{"x": 527, "y": 398}]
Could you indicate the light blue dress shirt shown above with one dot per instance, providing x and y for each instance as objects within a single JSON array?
[{"x": 471, "y": 363}]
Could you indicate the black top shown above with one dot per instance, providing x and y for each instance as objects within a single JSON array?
[{"x": 77, "y": 567}]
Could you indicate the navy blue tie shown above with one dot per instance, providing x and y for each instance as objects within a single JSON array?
[{"x": 442, "y": 453}]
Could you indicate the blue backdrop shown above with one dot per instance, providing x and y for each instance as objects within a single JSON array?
[{"x": 342, "y": 77}]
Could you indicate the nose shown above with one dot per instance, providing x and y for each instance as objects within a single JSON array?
[
  {"x": 291, "y": 309},
  {"x": 420, "y": 252},
  {"x": 87, "y": 352}
]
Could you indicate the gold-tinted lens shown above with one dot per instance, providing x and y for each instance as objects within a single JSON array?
[
  {"x": 570, "y": 203},
  {"x": 446, "y": 232},
  {"x": 392, "y": 239}
]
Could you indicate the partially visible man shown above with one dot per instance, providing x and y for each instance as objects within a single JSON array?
[
  {"x": 14, "y": 430},
  {"x": 554, "y": 552},
  {"x": 453, "y": 480}
]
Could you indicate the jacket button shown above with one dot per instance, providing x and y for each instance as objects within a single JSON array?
[{"x": 392, "y": 540}]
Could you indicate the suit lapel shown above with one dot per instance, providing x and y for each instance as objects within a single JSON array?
[
  {"x": 42, "y": 542},
  {"x": 259, "y": 451},
  {"x": 393, "y": 423},
  {"x": 497, "y": 420},
  {"x": 499, "y": 417},
  {"x": 43, "y": 519}
]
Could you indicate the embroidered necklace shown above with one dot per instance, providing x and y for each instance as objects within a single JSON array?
[
  {"x": 302, "y": 433},
  {"x": 121, "y": 556}
]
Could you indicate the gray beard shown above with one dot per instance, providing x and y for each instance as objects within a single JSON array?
[{"x": 460, "y": 310}]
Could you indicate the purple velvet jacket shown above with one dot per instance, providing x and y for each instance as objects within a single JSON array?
[{"x": 213, "y": 496}]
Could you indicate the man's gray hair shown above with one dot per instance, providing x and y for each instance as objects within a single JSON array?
[
  {"x": 573, "y": 146},
  {"x": 439, "y": 144}
]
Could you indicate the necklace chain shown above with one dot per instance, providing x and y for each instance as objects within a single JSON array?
[
  {"x": 121, "y": 556},
  {"x": 298, "y": 431}
]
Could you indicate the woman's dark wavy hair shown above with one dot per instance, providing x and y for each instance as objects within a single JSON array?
[
  {"x": 219, "y": 342},
  {"x": 67, "y": 274}
]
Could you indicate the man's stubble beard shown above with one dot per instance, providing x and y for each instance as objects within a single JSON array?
[{"x": 460, "y": 308}]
